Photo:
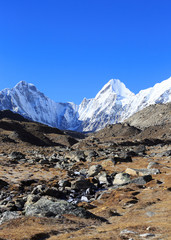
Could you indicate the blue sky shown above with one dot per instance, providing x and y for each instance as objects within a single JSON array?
[{"x": 70, "y": 48}]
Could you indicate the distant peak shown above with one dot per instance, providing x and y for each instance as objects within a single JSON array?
[
  {"x": 116, "y": 86},
  {"x": 21, "y": 83},
  {"x": 24, "y": 84}
]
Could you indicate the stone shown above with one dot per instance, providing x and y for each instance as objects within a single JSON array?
[
  {"x": 152, "y": 164},
  {"x": 150, "y": 214},
  {"x": 147, "y": 235},
  {"x": 121, "y": 178},
  {"x": 38, "y": 189},
  {"x": 84, "y": 199},
  {"x": 121, "y": 157},
  {"x": 94, "y": 170},
  {"x": 126, "y": 231},
  {"x": 103, "y": 178},
  {"x": 49, "y": 208},
  {"x": 76, "y": 155},
  {"x": 64, "y": 183},
  {"x": 32, "y": 199},
  {"x": 82, "y": 184},
  {"x": 6, "y": 216},
  {"x": 139, "y": 150},
  {"x": 141, "y": 172},
  {"x": 53, "y": 192},
  {"x": 17, "y": 155},
  {"x": 165, "y": 154},
  {"x": 141, "y": 180}
]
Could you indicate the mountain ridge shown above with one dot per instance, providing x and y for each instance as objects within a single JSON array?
[{"x": 112, "y": 104}]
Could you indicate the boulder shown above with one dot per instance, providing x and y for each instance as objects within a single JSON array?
[
  {"x": 94, "y": 170},
  {"x": 54, "y": 208},
  {"x": 121, "y": 178}
]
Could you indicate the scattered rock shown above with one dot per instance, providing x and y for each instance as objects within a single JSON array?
[
  {"x": 94, "y": 170},
  {"x": 121, "y": 178},
  {"x": 142, "y": 172}
]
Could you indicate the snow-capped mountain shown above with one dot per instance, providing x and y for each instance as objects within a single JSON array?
[
  {"x": 159, "y": 93},
  {"x": 26, "y": 100},
  {"x": 106, "y": 107},
  {"x": 113, "y": 103}
]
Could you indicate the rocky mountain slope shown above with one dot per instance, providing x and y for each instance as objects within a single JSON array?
[
  {"x": 157, "y": 114},
  {"x": 15, "y": 128},
  {"x": 114, "y": 184},
  {"x": 114, "y": 103}
]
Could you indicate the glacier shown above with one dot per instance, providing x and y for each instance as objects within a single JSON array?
[{"x": 112, "y": 104}]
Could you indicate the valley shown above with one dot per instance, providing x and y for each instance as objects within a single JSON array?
[{"x": 111, "y": 184}]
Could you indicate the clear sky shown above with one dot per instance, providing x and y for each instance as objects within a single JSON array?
[{"x": 70, "y": 48}]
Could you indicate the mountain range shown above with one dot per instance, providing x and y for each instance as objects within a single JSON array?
[{"x": 113, "y": 103}]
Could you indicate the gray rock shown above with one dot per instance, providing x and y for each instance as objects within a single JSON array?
[
  {"x": 142, "y": 180},
  {"x": 32, "y": 199},
  {"x": 54, "y": 208},
  {"x": 150, "y": 214},
  {"x": 152, "y": 164},
  {"x": 147, "y": 235},
  {"x": 121, "y": 178},
  {"x": 94, "y": 170},
  {"x": 126, "y": 231},
  {"x": 6, "y": 216},
  {"x": 165, "y": 154}
]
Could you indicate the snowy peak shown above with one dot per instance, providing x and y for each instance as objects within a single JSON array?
[
  {"x": 115, "y": 86},
  {"x": 24, "y": 85},
  {"x": 112, "y": 104},
  {"x": 24, "y": 88}
]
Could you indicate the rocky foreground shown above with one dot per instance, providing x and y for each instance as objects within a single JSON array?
[{"x": 114, "y": 184}]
